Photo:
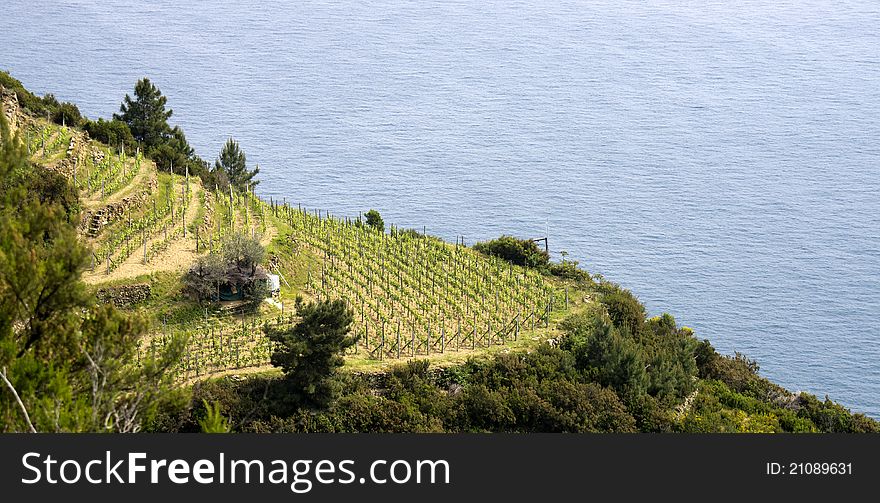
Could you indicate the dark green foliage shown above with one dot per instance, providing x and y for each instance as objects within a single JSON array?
[
  {"x": 570, "y": 270},
  {"x": 145, "y": 114},
  {"x": 374, "y": 220},
  {"x": 356, "y": 413},
  {"x": 544, "y": 393},
  {"x": 669, "y": 353},
  {"x": 522, "y": 252},
  {"x": 632, "y": 355},
  {"x": 174, "y": 153},
  {"x": 50, "y": 188},
  {"x": 650, "y": 416},
  {"x": 609, "y": 357},
  {"x": 541, "y": 391},
  {"x": 113, "y": 133},
  {"x": 147, "y": 119},
  {"x": 834, "y": 418},
  {"x": 738, "y": 372},
  {"x": 310, "y": 352},
  {"x": 625, "y": 310},
  {"x": 67, "y": 114},
  {"x": 233, "y": 164}
]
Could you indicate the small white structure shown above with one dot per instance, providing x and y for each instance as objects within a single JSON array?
[{"x": 274, "y": 284}]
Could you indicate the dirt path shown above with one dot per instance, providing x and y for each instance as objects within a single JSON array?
[
  {"x": 179, "y": 254},
  {"x": 270, "y": 234}
]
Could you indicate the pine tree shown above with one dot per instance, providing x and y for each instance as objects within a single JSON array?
[
  {"x": 145, "y": 114},
  {"x": 233, "y": 163},
  {"x": 374, "y": 220},
  {"x": 310, "y": 352}
]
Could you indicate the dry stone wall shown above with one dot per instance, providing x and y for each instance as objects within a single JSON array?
[
  {"x": 126, "y": 295},
  {"x": 9, "y": 102}
]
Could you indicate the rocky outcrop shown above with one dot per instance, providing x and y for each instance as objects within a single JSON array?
[
  {"x": 69, "y": 164},
  {"x": 9, "y": 103},
  {"x": 126, "y": 295}
]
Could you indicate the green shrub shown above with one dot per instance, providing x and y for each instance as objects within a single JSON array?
[
  {"x": 831, "y": 417},
  {"x": 570, "y": 270},
  {"x": 311, "y": 351},
  {"x": 67, "y": 114},
  {"x": 523, "y": 252},
  {"x": 112, "y": 133},
  {"x": 625, "y": 310}
]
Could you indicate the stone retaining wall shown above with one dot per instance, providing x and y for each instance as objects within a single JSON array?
[{"x": 124, "y": 296}]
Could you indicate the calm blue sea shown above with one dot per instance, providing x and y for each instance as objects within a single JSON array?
[{"x": 721, "y": 159}]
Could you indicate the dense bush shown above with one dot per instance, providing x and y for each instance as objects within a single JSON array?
[
  {"x": 524, "y": 252},
  {"x": 67, "y": 114},
  {"x": 569, "y": 270},
  {"x": 669, "y": 354},
  {"x": 112, "y": 132},
  {"x": 608, "y": 357},
  {"x": 833, "y": 417},
  {"x": 48, "y": 187},
  {"x": 625, "y": 310}
]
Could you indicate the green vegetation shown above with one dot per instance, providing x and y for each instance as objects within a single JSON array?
[
  {"x": 395, "y": 331},
  {"x": 147, "y": 119},
  {"x": 47, "y": 106},
  {"x": 232, "y": 166},
  {"x": 145, "y": 114},
  {"x": 234, "y": 264},
  {"x": 527, "y": 253},
  {"x": 522, "y": 252},
  {"x": 65, "y": 363},
  {"x": 597, "y": 378},
  {"x": 214, "y": 422},
  {"x": 414, "y": 294},
  {"x": 374, "y": 220},
  {"x": 113, "y": 132},
  {"x": 67, "y": 114},
  {"x": 311, "y": 351}
]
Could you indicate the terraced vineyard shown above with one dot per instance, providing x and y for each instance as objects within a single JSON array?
[
  {"x": 416, "y": 295},
  {"x": 46, "y": 142},
  {"x": 411, "y": 294}
]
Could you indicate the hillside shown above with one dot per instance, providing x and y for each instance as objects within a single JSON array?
[{"x": 412, "y": 295}]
